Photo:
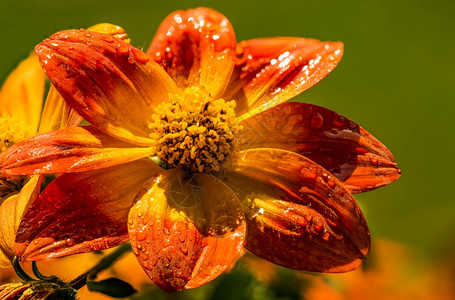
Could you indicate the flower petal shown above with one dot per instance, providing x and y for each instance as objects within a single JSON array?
[
  {"x": 21, "y": 96},
  {"x": 74, "y": 149},
  {"x": 298, "y": 215},
  {"x": 11, "y": 212},
  {"x": 57, "y": 114},
  {"x": 82, "y": 212},
  {"x": 108, "y": 82},
  {"x": 197, "y": 48},
  {"x": 186, "y": 229},
  {"x": 273, "y": 70},
  {"x": 331, "y": 140}
]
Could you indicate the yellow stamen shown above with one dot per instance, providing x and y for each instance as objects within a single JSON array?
[
  {"x": 193, "y": 131},
  {"x": 11, "y": 132}
]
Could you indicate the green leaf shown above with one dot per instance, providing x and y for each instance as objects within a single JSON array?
[{"x": 113, "y": 287}]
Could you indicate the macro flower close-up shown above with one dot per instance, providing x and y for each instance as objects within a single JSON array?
[
  {"x": 22, "y": 116},
  {"x": 193, "y": 154}
]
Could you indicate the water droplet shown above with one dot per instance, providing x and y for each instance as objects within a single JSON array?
[
  {"x": 359, "y": 211},
  {"x": 122, "y": 50},
  {"x": 144, "y": 256},
  {"x": 325, "y": 176},
  {"x": 154, "y": 261},
  {"x": 87, "y": 34},
  {"x": 166, "y": 231},
  {"x": 109, "y": 38},
  {"x": 308, "y": 217},
  {"x": 142, "y": 235},
  {"x": 70, "y": 242},
  {"x": 316, "y": 121},
  {"x": 140, "y": 56},
  {"x": 374, "y": 160},
  {"x": 177, "y": 265},
  {"x": 317, "y": 224},
  {"x": 326, "y": 236},
  {"x": 184, "y": 250},
  {"x": 352, "y": 125},
  {"x": 338, "y": 119},
  {"x": 331, "y": 184}
]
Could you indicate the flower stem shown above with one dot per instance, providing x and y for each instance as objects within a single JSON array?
[
  {"x": 103, "y": 264},
  {"x": 19, "y": 271}
]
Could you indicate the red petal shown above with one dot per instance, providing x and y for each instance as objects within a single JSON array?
[
  {"x": 68, "y": 150},
  {"x": 298, "y": 215},
  {"x": 342, "y": 147},
  {"x": 195, "y": 47},
  {"x": 273, "y": 70},
  {"x": 82, "y": 212},
  {"x": 186, "y": 229},
  {"x": 107, "y": 81}
]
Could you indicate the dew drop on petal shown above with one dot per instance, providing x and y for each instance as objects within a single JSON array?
[
  {"x": 317, "y": 224},
  {"x": 338, "y": 120},
  {"x": 316, "y": 121},
  {"x": 374, "y": 160},
  {"x": 109, "y": 38},
  {"x": 141, "y": 235},
  {"x": 139, "y": 55},
  {"x": 122, "y": 50}
]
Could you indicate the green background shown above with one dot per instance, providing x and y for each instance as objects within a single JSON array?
[{"x": 395, "y": 80}]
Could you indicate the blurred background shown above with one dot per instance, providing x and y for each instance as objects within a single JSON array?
[{"x": 395, "y": 79}]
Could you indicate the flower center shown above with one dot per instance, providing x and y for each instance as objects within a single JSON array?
[
  {"x": 193, "y": 131},
  {"x": 11, "y": 132}
]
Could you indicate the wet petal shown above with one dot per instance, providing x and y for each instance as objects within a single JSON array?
[
  {"x": 21, "y": 96},
  {"x": 74, "y": 149},
  {"x": 11, "y": 212},
  {"x": 107, "y": 81},
  {"x": 298, "y": 215},
  {"x": 197, "y": 48},
  {"x": 56, "y": 113},
  {"x": 186, "y": 229},
  {"x": 331, "y": 140},
  {"x": 82, "y": 212},
  {"x": 273, "y": 70}
]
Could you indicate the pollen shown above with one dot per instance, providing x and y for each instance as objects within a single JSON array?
[{"x": 193, "y": 131}]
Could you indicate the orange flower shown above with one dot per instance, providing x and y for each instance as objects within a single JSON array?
[{"x": 193, "y": 153}]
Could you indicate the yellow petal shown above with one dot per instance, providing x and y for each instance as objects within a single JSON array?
[
  {"x": 11, "y": 212},
  {"x": 21, "y": 95}
]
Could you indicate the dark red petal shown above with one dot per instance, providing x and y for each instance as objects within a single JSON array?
[
  {"x": 298, "y": 214},
  {"x": 196, "y": 48},
  {"x": 186, "y": 229},
  {"x": 107, "y": 81},
  {"x": 74, "y": 149},
  {"x": 82, "y": 212},
  {"x": 331, "y": 140},
  {"x": 273, "y": 70}
]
